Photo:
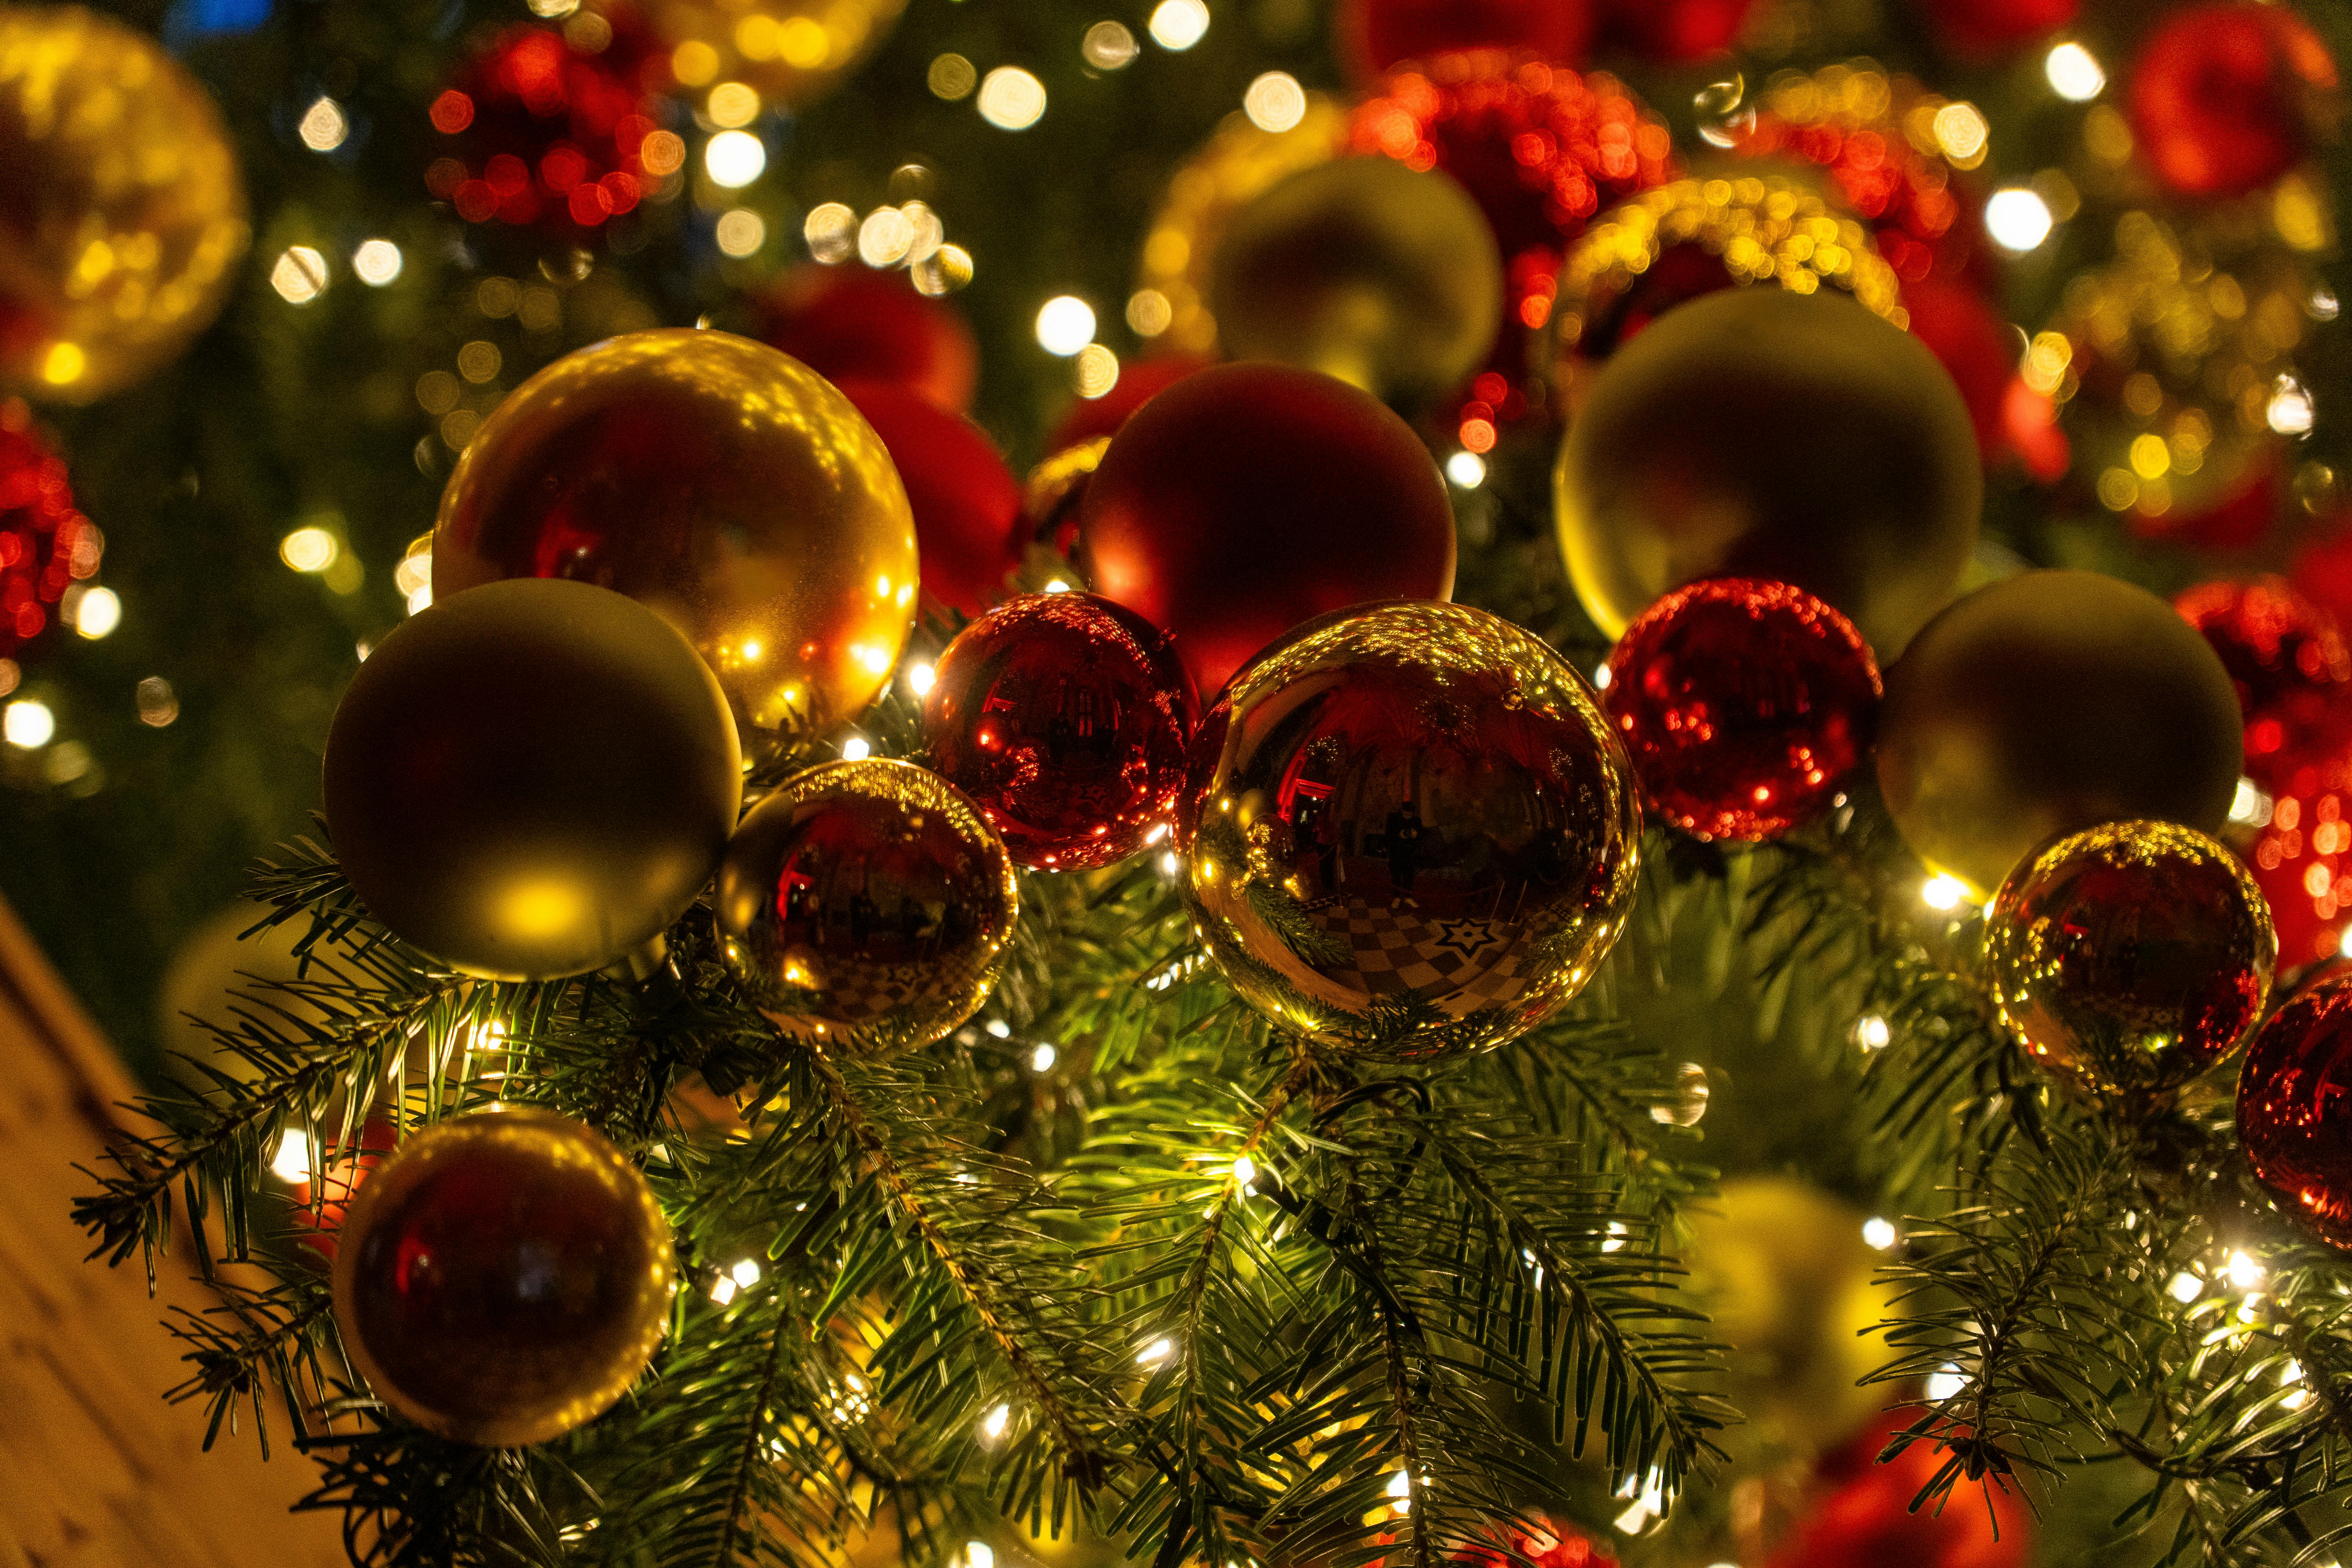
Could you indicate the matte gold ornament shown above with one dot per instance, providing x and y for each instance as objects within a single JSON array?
[
  {"x": 793, "y": 51},
  {"x": 724, "y": 485},
  {"x": 867, "y": 907},
  {"x": 122, "y": 212},
  {"x": 1410, "y": 833},
  {"x": 2130, "y": 957},
  {"x": 503, "y": 1277},
  {"x": 531, "y": 779}
]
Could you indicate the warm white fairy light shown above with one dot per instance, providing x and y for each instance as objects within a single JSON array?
[
  {"x": 1945, "y": 1381},
  {"x": 1245, "y": 1172},
  {"x": 919, "y": 679},
  {"x": 2289, "y": 411},
  {"x": 2185, "y": 1288},
  {"x": 1042, "y": 1060},
  {"x": 1871, "y": 1032},
  {"x": 1943, "y": 892},
  {"x": 2017, "y": 218},
  {"x": 300, "y": 275},
  {"x": 2244, "y": 1273},
  {"x": 740, "y": 232},
  {"x": 1155, "y": 1352},
  {"x": 1467, "y": 470},
  {"x": 1066, "y": 324},
  {"x": 377, "y": 262},
  {"x": 857, "y": 749},
  {"x": 1178, "y": 25},
  {"x": 292, "y": 1160},
  {"x": 993, "y": 1423},
  {"x": 734, "y": 158},
  {"x": 1880, "y": 1234},
  {"x": 1275, "y": 101},
  {"x": 1170, "y": 864},
  {"x": 1011, "y": 98},
  {"x": 999, "y": 1028},
  {"x": 1058, "y": 586},
  {"x": 28, "y": 723},
  {"x": 2075, "y": 73},
  {"x": 324, "y": 126},
  {"x": 97, "y": 613},
  {"x": 310, "y": 548}
]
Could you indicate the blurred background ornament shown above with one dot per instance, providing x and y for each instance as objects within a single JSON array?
[
  {"x": 1763, "y": 432},
  {"x": 1989, "y": 28},
  {"x": 2294, "y": 1090},
  {"x": 1743, "y": 706},
  {"x": 2046, "y": 703},
  {"x": 2299, "y": 857},
  {"x": 1674, "y": 32},
  {"x": 2287, "y": 661},
  {"x": 2226, "y": 96},
  {"x": 1140, "y": 381},
  {"x": 967, "y": 504},
  {"x": 1409, "y": 833},
  {"x": 1862, "y": 1512},
  {"x": 865, "y": 907},
  {"x": 792, "y": 52},
  {"x": 531, "y": 779},
  {"x": 503, "y": 1277},
  {"x": 1247, "y": 499},
  {"x": 1382, "y": 276},
  {"x": 122, "y": 212},
  {"x": 724, "y": 485},
  {"x": 2130, "y": 957},
  {"x": 852, "y": 324},
  {"x": 1374, "y": 35},
  {"x": 1064, "y": 718},
  {"x": 46, "y": 545}
]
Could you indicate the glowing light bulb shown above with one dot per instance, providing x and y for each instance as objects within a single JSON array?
[
  {"x": 1944, "y": 1384},
  {"x": 993, "y": 1423},
  {"x": 292, "y": 1160},
  {"x": 1011, "y": 98},
  {"x": 2074, "y": 74},
  {"x": 300, "y": 275},
  {"x": 1275, "y": 101},
  {"x": 309, "y": 550},
  {"x": 855, "y": 749},
  {"x": 1066, "y": 324},
  {"x": 2017, "y": 218},
  {"x": 734, "y": 158},
  {"x": 324, "y": 125},
  {"x": 1156, "y": 1352},
  {"x": 1178, "y": 25},
  {"x": 1881, "y": 1235},
  {"x": 1943, "y": 893},
  {"x": 1244, "y": 1171},
  {"x": 2185, "y": 1288},
  {"x": 921, "y": 677},
  {"x": 1467, "y": 470},
  {"x": 377, "y": 262}
]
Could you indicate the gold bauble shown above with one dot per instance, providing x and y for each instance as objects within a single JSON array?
[
  {"x": 217, "y": 972},
  {"x": 504, "y": 1277},
  {"x": 792, "y": 51},
  {"x": 727, "y": 487},
  {"x": 867, "y": 907},
  {"x": 2130, "y": 957},
  {"x": 1410, "y": 833},
  {"x": 122, "y": 212}
]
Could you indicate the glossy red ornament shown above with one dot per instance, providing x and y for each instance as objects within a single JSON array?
[
  {"x": 1743, "y": 704},
  {"x": 1373, "y": 35},
  {"x": 1982, "y": 28},
  {"x": 2294, "y": 1109},
  {"x": 2227, "y": 97},
  {"x": 2302, "y": 860},
  {"x": 1863, "y": 1517},
  {"x": 2288, "y": 662},
  {"x": 852, "y": 324},
  {"x": 1140, "y": 381},
  {"x": 1064, "y": 717},
  {"x": 45, "y": 543},
  {"x": 1673, "y": 32},
  {"x": 322, "y": 1202},
  {"x": 549, "y": 124},
  {"x": 967, "y": 504},
  {"x": 1249, "y": 498}
]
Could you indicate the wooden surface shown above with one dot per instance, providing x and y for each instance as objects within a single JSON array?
[{"x": 95, "y": 1468}]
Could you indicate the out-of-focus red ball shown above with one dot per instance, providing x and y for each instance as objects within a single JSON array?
[
  {"x": 45, "y": 543},
  {"x": 2226, "y": 96},
  {"x": 2302, "y": 860},
  {"x": 1548, "y": 1545},
  {"x": 2288, "y": 661},
  {"x": 1971, "y": 340},
  {"x": 1249, "y": 498},
  {"x": 2294, "y": 1109},
  {"x": 1064, "y": 717},
  {"x": 345, "y": 1171},
  {"x": 852, "y": 324},
  {"x": 1864, "y": 1519},
  {"x": 1373, "y": 36},
  {"x": 1744, "y": 704},
  {"x": 1673, "y": 32},
  {"x": 967, "y": 504},
  {"x": 1994, "y": 27},
  {"x": 1139, "y": 382}
]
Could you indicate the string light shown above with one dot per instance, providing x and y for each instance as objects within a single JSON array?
[
  {"x": 300, "y": 275},
  {"x": 2075, "y": 73},
  {"x": 993, "y": 1424},
  {"x": 376, "y": 262},
  {"x": 920, "y": 678},
  {"x": 2244, "y": 1273},
  {"x": 1178, "y": 25},
  {"x": 1011, "y": 98},
  {"x": 158, "y": 704},
  {"x": 1095, "y": 371},
  {"x": 1042, "y": 1060},
  {"x": 740, "y": 232},
  {"x": 831, "y": 231},
  {"x": 1871, "y": 1032},
  {"x": 1467, "y": 470},
  {"x": 952, "y": 78},
  {"x": 1108, "y": 45},
  {"x": 855, "y": 749},
  {"x": 1155, "y": 1352},
  {"x": 2017, "y": 218},
  {"x": 98, "y": 612},
  {"x": 1245, "y": 1172},
  {"x": 1066, "y": 324},
  {"x": 732, "y": 105},
  {"x": 309, "y": 550},
  {"x": 2185, "y": 1288},
  {"x": 1943, "y": 892},
  {"x": 1149, "y": 314},
  {"x": 324, "y": 126},
  {"x": 1880, "y": 1234},
  {"x": 291, "y": 1163},
  {"x": 1275, "y": 101},
  {"x": 1945, "y": 1381},
  {"x": 734, "y": 158}
]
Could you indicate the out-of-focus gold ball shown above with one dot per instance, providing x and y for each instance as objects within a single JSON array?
[
  {"x": 213, "y": 976},
  {"x": 2130, "y": 957},
  {"x": 1783, "y": 1270},
  {"x": 791, "y": 51},
  {"x": 867, "y": 907},
  {"x": 1386, "y": 276},
  {"x": 726, "y": 486},
  {"x": 1410, "y": 833},
  {"x": 122, "y": 212}
]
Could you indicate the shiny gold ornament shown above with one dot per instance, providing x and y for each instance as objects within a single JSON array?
[
  {"x": 724, "y": 485},
  {"x": 792, "y": 52},
  {"x": 504, "y": 1277},
  {"x": 867, "y": 907},
  {"x": 1410, "y": 833},
  {"x": 122, "y": 212},
  {"x": 1386, "y": 276},
  {"x": 2130, "y": 957},
  {"x": 1230, "y": 171}
]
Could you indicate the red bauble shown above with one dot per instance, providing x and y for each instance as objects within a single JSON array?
[
  {"x": 1864, "y": 1519},
  {"x": 2288, "y": 662},
  {"x": 2294, "y": 1109},
  {"x": 1371, "y": 36},
  {"x": 1970, "y": 340},
  {"x": 1743, "y": 704},
  {"x": 2302, "y": 860},
  {"x": 549, "y": 124},
  {"x": 1548, "y": 1545},
  {"x": 967, "y": 504},
  {"x": 1064, "y": 718},
  {"x": 1673, "y": 32},
  {"x": 1091, "y": 418},
  {"x": 45, "y": 542},
  {"x": 1994, "y": 27},
  {"x": 2225, "y": 98},
  {"x": 345, "y": 1171},
  {"x": 851, "y": 323},
  {"x": 1249, "y": 498}
]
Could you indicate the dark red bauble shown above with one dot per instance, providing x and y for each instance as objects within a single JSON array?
[
  {"x": 1249, "y": 498},
  {"x": 1673, "y": 32},
  {"x": 852, "y": 324},
  {"x": 2288, "y": 662},
  {"x": 1140, "y": 381},
  {"x": 1373, "y": 36},
  {"x": 2227, "y": 97},
  {"x": 1743, "y": 704},
  {"x": 1983, "y": 27},
  {"x": 2294, "y": 1109},
  {"x": 1064, "y": 718},
  {"x": 1864, "y": 1517},
  {"x": 44, "y": 541},
  {"x": 967, "y": 504}
]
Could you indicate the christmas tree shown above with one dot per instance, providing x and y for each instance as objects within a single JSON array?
[{"x": 1554, "y": 781}]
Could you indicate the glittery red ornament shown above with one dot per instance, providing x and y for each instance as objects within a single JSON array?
[
  {"x": 2302, "y": 860},
  {"x": 1743, "y": 705},
  {"x": 1249, "y": 498},
  {"x": 2226, "y": 97},
  {"x": 549, "y": 124},
  {"x": 1541, "y": 149},
  {"x": 852, "y": 324},
  {"x": 1984, "y": 28},
  {"x": 1864, "y": 1519},
  {"x": 1373, "y": 36},
  {"x": 2288, "y": 662},
  {"x": 45, "y": 543},
  {"x": 2294, "y": 1109},
  {"x": 1140, "y": 381},
  {"x": 1673, "y": 32},
  {"x": 967, "y": 504},
  {"x": 1064, "y": 718}
]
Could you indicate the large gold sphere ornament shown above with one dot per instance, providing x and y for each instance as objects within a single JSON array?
[
  {"x": 791, "y": 51},
  {"x": 2130, "y": 957},
  {"x": 503, "y": 1277},
  {"x": 531, "y": 780},
  {"x": 1410, "y": 832},
  {"x": 1386, "y": 276},
  {"x": 727, "y": 487},
  {"x": 1760, "y": 432},
  {"x": 122, "y": 212},
  {"x": 867, "y": 907}
]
